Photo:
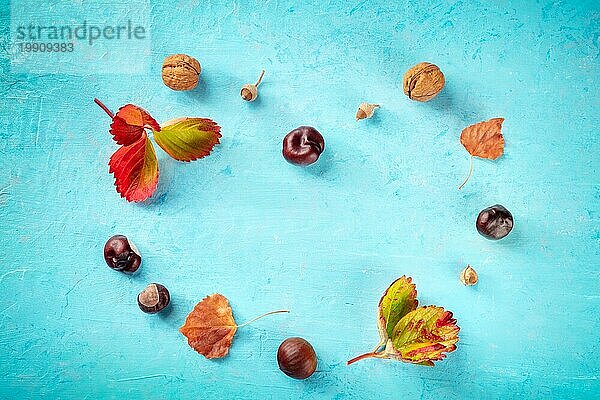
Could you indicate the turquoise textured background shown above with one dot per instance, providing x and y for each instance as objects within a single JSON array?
[{"x": 324, "y": 241}]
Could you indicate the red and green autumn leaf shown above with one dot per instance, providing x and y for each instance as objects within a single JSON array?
[
  {"x": 135, "y": 168},
  {"x": 187, "y": 139},
  {"x": 410, "y": 334},
  {"x": 424, "y": 335},
  {"x": 130, "y": 123},
  {"x": 397, "y": 301},
  {"x": 134, "y": 165}
]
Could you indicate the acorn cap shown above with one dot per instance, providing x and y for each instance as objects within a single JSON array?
[
  {"x": 249, "y": 92},
  {"x": 365, "y": 110}
]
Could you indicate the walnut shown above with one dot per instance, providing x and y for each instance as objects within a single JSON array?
[
  {"x": 423, "y": 81},
  {"x": 180, "y": 72}
]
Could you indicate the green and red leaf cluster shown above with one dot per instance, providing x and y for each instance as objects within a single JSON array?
[
  {"x": 410, "y": 334},
  {"x": 134, "y": 165}
]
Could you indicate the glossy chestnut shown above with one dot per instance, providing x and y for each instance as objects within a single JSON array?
[
  {"x": 297, "y": 358},
  {"x": 303, "y": 146},
  {"x": 122, "y": 255},
  {"x": 154, "y": 298},
  {"x": 494, "y": 222}
]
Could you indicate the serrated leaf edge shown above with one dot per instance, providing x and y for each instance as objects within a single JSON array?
[{"x": 186, "y": 123}]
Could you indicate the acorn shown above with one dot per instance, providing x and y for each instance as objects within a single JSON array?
[
  {"x": 366, "y": 110},
  {"x": 249, "y": 91}
]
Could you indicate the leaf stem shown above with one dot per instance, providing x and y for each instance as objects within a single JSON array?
[
  {"x": 260, "y": 78},
  {"x": 379, "y": 345},
  {"x": 261, "y": 316},
  {"x": 102, "y": 106},
  {"x": 371, "y": 354},
  {"x": 470, "y": 172}
]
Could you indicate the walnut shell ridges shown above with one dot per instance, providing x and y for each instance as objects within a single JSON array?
[
  {"x": 181, "y": 72},
  {"x": 423, "y": 81}
]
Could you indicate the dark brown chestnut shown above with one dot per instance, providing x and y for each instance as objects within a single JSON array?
[
  {"x": 303, "y": 146},
  {"x": 154, "y": 298},
  {"x": 494, "y": 222},
  {"x": 297, "y": 358},
  {"x": 122, "y": 255}
]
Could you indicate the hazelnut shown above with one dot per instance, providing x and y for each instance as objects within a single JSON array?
[
  {"x": 180, "y": 72},
  {"x": 468, "y": 276},
  {"x": 423, "y": 81}
]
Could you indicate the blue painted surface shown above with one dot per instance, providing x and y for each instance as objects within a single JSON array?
[{"x": 324, "y": 241}]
